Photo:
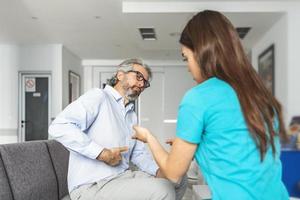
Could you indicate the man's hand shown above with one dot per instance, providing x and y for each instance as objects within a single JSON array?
[{"x": 112, "y": 156}]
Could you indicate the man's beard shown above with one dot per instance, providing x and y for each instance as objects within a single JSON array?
[{"x": 130, "y": 93}]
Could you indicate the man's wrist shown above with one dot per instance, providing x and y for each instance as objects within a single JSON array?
[{"x": 102, "y": 155}]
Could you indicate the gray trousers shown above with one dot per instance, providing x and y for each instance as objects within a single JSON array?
[{"x": 131, "y": 185}]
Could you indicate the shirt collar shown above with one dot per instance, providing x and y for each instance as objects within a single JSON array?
[
  {"x": 129, "y": 106},
  {"x": 113, "y": 92},
  {"x": 117, "y": 96}
]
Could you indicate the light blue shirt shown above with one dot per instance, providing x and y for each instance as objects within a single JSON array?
[
  {"x": 97, "y": 120},
  {"x": 210, "y": 116}
]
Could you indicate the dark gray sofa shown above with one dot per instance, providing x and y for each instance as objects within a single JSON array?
[{"x": 33, "y": 171}]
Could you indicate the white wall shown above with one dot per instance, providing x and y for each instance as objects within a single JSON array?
[
  {"x": 293, "y": 67},
  {"x": 45, "y": 58},
  {"x": 176, "y": 79},
  {"x": 9, "y": 61},
  {"x": 69, "y": 62},
  {"x": 87, "y": 81},
  {"x": 277, "y": 35},
  {"x": 52, "y": 58},
  {"x": 177, "y": 82},
  {"x": 285, "y": 35}
]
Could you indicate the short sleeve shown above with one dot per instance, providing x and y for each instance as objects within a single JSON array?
[{"x": 190, "y": 122}]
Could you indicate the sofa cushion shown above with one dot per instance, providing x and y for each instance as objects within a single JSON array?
[
  {"x": 30, "y": 171},
  {"x": 60, "y": 159},
  {"x": 5, "y": 192}
]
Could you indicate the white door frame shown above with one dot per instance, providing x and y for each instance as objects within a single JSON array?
[
  {"x": 21, "y": 98},
  {"x": 97, "y": 73}
]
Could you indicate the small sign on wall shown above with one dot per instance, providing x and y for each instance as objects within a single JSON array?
[{"x": 30, "y": 84}]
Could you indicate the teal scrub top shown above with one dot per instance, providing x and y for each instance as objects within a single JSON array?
[{"x": 210, "y": 116}]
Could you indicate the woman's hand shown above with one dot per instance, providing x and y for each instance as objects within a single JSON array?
[{"x": 141, "y": 134}]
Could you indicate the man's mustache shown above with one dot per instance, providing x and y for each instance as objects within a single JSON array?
[{"x": 139, "y": 89}]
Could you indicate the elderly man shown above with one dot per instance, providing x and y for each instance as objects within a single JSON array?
[{"x": 97, "y": 129}]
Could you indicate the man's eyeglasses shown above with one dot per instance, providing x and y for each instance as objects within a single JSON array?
[{"x": 140, "y": 77}]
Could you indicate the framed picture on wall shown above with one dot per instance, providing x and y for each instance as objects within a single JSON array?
[
  {"x": 266, "y": 67},
  {"x": 74, "y": 86}
]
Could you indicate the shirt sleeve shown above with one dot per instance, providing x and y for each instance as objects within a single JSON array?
[
  {"x": 69, "y": 126},
  {"x": 143, "y": 159},
  {"x": 190, "y": 121}
]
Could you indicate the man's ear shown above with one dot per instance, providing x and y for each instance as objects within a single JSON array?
[{"x": 120, "y": 75}]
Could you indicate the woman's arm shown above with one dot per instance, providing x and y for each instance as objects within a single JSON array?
[{"x": 174, "y": 164}]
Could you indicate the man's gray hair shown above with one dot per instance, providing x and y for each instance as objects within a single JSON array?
[{"x": 126, "y": 66}]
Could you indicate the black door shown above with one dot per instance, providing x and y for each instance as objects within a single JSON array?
[{"x": 36, "y": 111}]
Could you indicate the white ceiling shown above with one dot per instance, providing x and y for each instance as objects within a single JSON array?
[{"x": 98, "y": 29}]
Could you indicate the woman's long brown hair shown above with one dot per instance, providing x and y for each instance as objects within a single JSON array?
[{"x": 219, "y": 53}]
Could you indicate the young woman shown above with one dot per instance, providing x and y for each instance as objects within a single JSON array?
[{"x": 230, "y": 123}]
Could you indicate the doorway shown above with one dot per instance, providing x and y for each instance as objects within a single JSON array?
[{"x": 34, "y": 106}]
